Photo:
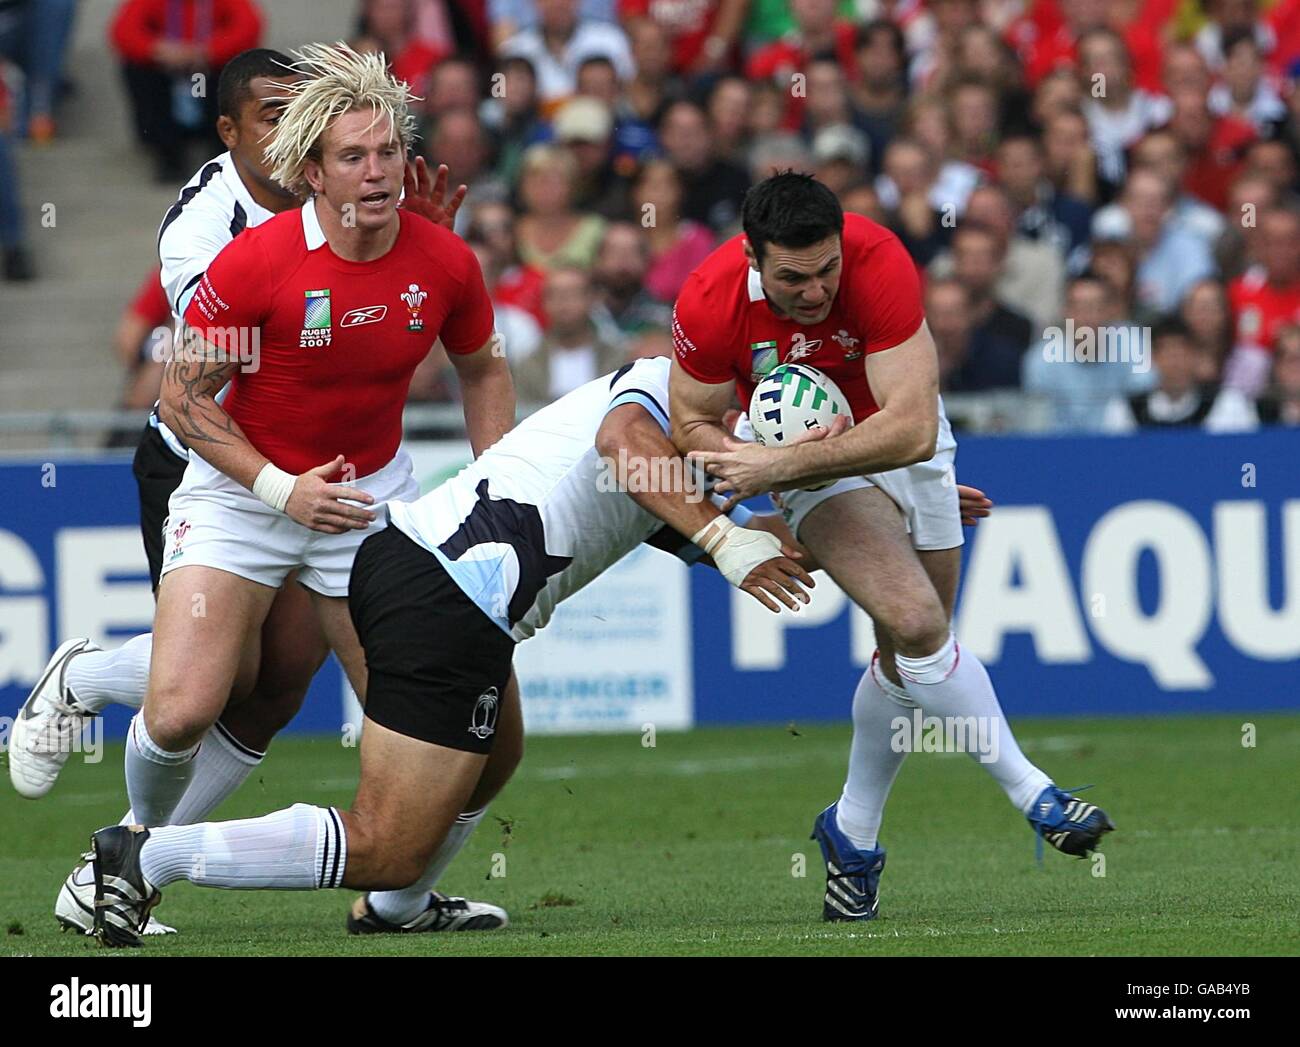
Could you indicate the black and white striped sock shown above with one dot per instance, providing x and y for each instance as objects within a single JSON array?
[{"x": 301, "y": 848}]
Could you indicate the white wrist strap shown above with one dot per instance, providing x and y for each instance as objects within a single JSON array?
[
  {"x": 273, "y": 486},
  {"x": 736, "y": 550}
]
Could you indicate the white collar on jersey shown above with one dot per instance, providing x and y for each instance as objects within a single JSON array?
[
  {"x": 311, "y": 230},
  {"x": 254, "y": 213},
  {"x": 755, "y": 285}
]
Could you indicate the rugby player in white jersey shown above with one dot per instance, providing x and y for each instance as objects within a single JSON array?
[
  {"x": 838, "y": 292},
  {"x": 230, "y": 193},
  {"x": 439, "y": 599}
]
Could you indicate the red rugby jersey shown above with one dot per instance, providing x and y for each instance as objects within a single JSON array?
[
  {"x": 339, "y": 340},
  {"x": 724, "y": 329}
]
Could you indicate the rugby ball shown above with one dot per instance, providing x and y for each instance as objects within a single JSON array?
[{"x": 792, "y": 399}]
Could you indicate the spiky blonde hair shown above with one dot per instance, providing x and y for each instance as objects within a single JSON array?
[{"x": 337, "y": 81}]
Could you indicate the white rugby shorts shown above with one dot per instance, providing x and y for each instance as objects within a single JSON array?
[{"x": 215, "y": 522}]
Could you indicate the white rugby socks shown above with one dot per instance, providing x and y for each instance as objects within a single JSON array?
[
  {"x": 155, "y": 779},
  {"x": 99, "y": 679},
  {"x": 873, "y": 759},
  {"x": 301, "y": 849},
  {"x": 405, "y": 905},
  {"x": 952, "y": 682},
  {"x": 221, "y": 766}
]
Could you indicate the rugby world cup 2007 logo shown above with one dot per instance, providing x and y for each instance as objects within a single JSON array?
[
  {"x": 483, "y": 720},
  {"x": 316, "y": 326}
]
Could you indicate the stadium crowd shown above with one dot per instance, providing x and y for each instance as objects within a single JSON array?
[{"x": 1053, "y": 166}]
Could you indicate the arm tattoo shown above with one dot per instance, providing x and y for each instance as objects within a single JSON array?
[{"x": 194, "y": 375}]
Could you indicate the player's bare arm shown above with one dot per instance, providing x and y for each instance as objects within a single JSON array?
[
  {"x": 628, "y": 435},
  {"x": 696, "y": 409},
  {"x": 191, "y": 381},
  {"x": 905, "y": 383},
  {"x": 488, "y": 393}
]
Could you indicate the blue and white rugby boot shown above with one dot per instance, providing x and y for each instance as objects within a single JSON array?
[
  {"x": 1071, "y": 825},
  {"x": 852, "y": 876}
]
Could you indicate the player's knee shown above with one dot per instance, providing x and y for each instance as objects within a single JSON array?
[
  {"x": 173, "y": 724},
  {"x": 919, "y": 629}
]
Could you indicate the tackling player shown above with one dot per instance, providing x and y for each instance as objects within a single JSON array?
[
  {"x": 807, "y": 282},
  {"x": 439, "y": 599}
]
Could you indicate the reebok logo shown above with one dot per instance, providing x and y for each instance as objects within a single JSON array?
[
  {"x": 103, "y": 1001},
  {"x": 367, "y": 314}
]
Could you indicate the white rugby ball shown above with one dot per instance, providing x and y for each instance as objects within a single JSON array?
[{"x": 792, "y": 399}]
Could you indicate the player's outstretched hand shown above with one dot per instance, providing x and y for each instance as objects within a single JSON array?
[
  {"x": 317, "y": 504},
  {"x": 780, "y": 577},
  {"x": 975, "y": 504},
  {"x": 425, "y": 196}
]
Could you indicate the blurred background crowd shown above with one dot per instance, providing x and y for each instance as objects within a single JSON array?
[{"x": 1123, "y": 165}]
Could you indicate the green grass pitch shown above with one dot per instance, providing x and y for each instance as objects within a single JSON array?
[{"x": 691, "y": 848}]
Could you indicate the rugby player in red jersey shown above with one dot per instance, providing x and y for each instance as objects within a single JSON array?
[
  {"x": 229, "y": 193},
  {"x": 328, "y": 308},
  {"x": 806, "y": 282}
]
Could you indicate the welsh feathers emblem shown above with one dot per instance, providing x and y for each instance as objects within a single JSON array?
[{"x": 414, "y": 299}]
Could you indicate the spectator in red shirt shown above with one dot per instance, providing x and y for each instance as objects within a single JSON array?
[
  {"x": 1047, "y": 36},
  {"x": 703, "y": 33},
  {"x": 1265, "y": 299},
  {"x": 388, "y": 26},
  {"x": 514, "y": 283},
  {"x": 817, "y": 31},
  {"x": 1215, "y": 146},
  {"x": 166, "y": 46}
]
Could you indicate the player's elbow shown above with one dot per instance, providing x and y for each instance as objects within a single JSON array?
[
  {"x": 681, "y": 431},
  {"x": 921, "y": 440},
  {"x": 611, "y": 438},
  {"x": 169, "y": 398}
]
